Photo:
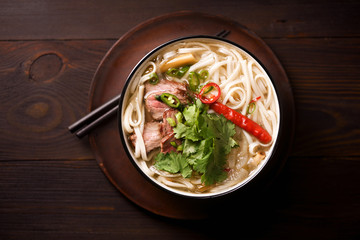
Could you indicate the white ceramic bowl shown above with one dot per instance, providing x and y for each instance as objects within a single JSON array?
[{"x": 128, "y": 146}]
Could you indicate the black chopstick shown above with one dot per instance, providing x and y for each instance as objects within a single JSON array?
[
  {"x": 223, "y": 33},
  {"x": 85, "y": 130},
  {"x": 95, "y": 117},
  {"x": 83, "y": 126}
]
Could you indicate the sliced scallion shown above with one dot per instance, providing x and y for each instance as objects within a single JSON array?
[
  {"x": 251, "y": 108},
  {"x": 153, "y": 78}
]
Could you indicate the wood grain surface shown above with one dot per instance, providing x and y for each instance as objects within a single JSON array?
[{"x": 50, "y": 183}]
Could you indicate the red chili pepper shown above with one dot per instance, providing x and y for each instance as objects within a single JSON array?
[
  {"x": 209, "y": 88},
  {"x": 242, "y": 121},
  {"x": 255, "y": 99}
]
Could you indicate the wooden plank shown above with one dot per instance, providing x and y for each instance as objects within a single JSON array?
[
  {"x": 39, "y": 101},
  {"x": 44, "y": 88},
  {"x": 324, "y": 74},
  {"x": 109, "y": 19},
  {"x": 74, "y": 200}
]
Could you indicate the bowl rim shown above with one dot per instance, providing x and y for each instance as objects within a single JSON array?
[{"x": 231, "y": 189}]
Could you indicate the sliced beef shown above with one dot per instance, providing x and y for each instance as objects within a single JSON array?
[
  {"x": 166, "y": 145},
  {"x": 159, "y": 133},
  {"x": 152, "y": 136},
  {"x": 157, "y": 108},
  {"x": 164, "y": 86}
]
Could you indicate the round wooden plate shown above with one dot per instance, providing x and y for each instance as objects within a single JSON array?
[{"x": 109, "y": 80}]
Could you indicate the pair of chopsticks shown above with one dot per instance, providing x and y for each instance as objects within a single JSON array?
[{"x": 89, "y": 122}]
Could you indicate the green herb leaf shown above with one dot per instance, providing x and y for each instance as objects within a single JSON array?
[
  {"x": 173, "y": 162},
  {"x": 200, "y": 158}
]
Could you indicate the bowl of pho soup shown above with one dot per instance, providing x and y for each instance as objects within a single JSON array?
[{"x": 199, "y": 117}]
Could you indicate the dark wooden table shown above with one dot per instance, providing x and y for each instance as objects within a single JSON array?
[{"x": 50, "y": 184}]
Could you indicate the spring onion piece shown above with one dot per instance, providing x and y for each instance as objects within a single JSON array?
[
  {"x": 177, "y": 72},
  {"x": 194, "y": 81},
  {"x": 183, "y": 70},
  {"x": 179, "y": 117},
  {"x": 251, "y": 108},
  {"x": 171, "y": 121},
  {"x": 203, "y": 74},
  {"x": 173, "y": 72},
  {"x": 153, "y": 79},
  {"x": 180, "y": 148},
  {"x": 252, "y": 105}
]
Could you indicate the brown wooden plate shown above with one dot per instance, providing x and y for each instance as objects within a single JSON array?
[{"x": 110, "y": 78}]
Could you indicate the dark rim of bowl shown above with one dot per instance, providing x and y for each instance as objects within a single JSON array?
[{"x": 122, "y": 137}]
